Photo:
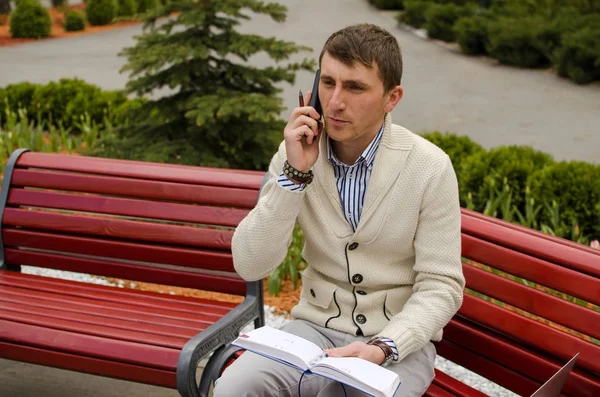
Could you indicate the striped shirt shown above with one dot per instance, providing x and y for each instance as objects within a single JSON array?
[{"x": 352, "y": 181}]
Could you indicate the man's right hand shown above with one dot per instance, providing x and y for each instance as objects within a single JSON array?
[{"x": 302, "y": 153}]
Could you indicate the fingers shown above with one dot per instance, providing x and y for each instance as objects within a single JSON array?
[
  {"x": 306, "y": 110},
  {"x": 358, "y": 349},
  {"x": 351, "y": 350},
  {"x": 303, "y": 126}
]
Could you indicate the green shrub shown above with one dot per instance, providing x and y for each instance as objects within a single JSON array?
[
  {"x": 414, "y": 13},
  {"x": 147, "y": 5},
  {"x": 15, "y": 96},
  {"x": 440, "y": 18},
  {"x": 101, "y": 12},
  {"x": 74, "y": 21},
  {"x": 484, "y": 172},
  {"x": 578, "y": 58},
  {"x": 575, "y": 185},
  {"x": 127, "y": 8},
  {"x": 62, "y": 102},
  {"x": 30, "y": 20},
  {"x": 388, "y": 4},
  {"x": 471, "y": 34},
  {"x": 521, "y": 41},
  {"x": 457, "y": 147}
]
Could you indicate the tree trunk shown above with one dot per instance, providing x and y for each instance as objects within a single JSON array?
[{"x": 4, "y": 7}]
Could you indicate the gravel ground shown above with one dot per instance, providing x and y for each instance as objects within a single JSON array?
[{"x": 276, "y": 321}]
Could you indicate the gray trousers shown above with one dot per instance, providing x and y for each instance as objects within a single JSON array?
[{"x": 252, "y": 375}]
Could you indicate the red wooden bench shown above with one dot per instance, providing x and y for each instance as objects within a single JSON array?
[
  {"x": 144, "y": 222},
  {"x": 504, "y": 345}
]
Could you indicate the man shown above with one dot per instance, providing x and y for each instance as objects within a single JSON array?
[{"x": 379, "y": 209}]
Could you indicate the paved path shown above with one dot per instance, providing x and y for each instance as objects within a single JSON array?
[
  {"x": 444, "y": 90},
  {"x": 24, "y": 380}
]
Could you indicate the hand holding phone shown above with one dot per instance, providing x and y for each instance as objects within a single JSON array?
[{"x": 303, "y": 130}]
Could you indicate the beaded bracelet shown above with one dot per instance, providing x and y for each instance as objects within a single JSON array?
[{"x": 292, "y": 173}]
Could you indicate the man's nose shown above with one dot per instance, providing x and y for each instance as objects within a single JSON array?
[{"x": 337, "y": 101}]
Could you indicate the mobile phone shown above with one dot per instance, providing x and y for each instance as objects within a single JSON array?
[{"x": 314, "y": 94}]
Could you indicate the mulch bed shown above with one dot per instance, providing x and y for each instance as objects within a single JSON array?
[
  {"x": 283, "y": 303},
  {"x": 57, "y": 28}
]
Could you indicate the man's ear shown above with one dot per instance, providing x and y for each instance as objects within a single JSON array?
[{"x": 393, "y": 97}]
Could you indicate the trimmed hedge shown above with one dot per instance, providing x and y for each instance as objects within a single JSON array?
[
  {"x": 30, "y": 20},
  {"x": 101, "y": 12},
  {"x": 440, "y": 19},
  {"x": 504, "y": 177},
  {"x": 471, "y": 34},
  {"x": 575, "y": 185},
  {"x": 531, "y": 34},
  {"x": 579, "y": 56},
  {"x": 74, "y": 21},
  {"x": 62, "y": 102}
]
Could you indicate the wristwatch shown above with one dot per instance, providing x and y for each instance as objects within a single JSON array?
[{"x": 387, "y": 350}]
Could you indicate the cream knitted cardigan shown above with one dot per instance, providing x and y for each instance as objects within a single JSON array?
[{"x": 399, "y": 275}]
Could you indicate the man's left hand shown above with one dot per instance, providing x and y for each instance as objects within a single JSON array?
[{"x": 370, "y": 353}]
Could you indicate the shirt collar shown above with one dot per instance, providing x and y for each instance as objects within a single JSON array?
[{"x": 368, "y": 155}]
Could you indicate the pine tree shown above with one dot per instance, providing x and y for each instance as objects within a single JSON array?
[{"x": 219, "y": 111}]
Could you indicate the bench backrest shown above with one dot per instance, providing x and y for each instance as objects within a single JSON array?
[
  {"x": 533, "y": 302},
  {"x": 148, "y": 222}
]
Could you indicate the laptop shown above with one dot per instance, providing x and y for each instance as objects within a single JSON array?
[{"x": 554, "y": 385}]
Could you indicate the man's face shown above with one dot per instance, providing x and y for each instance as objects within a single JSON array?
[{"x": 353, "y": 101}]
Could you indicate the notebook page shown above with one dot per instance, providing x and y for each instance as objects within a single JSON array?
[
  {"x": 379, "y": 378},
  {"x": 270, "y": 340}
]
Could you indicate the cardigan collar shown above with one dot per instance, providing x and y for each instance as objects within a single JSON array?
[{"x": 394, "y": 148}]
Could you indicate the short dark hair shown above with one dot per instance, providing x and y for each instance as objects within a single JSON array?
[{"x": 367, "y": 44}]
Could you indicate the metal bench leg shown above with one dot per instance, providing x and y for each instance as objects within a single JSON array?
[{"x": 214, "y": 367}]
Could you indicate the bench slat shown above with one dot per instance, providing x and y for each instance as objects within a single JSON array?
[
  {"x": 173, "y": 303},
  {"x": 143, "y": 170},
  {"x": 49, "y": 314},
  {"x": 186, "y": 257},
  {"x": 531, "y": 332},
  {"x": 522, "y": 229},
  {"x": 89, "y": 345},
  {"x": 436, "y": 391},
  {"x": 99, "y": 307},
  {"x": 89, "y": 365},
  {"x": 208, "y": 215},
  {"x": 146, "y": 189},
  {"x": 454, "y": 386},
  {"x": 584, "y": 259},
  {"x": 533, "y": 301},
  {"x": 207, "y": 282},
  {"x": 532, "y": 269},
  {"x": 501, "y": 375},
  {"x": 508, "y": 353},
  {"x": 102, "y": 331},
  {"x": 118, "y": 228}
]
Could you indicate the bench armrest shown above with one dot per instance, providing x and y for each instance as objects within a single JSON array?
[{"x": 216, "y": 336}]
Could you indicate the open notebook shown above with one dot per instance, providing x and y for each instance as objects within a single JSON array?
[{"x": 306, "y": 356}]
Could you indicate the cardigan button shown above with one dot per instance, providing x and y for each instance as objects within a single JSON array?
[
  {"x": 357, "y": 278},
  {"x": 361, "y": 319},
  {"x": 312, "y": 292},
  {"x": 353, "y": 246}
]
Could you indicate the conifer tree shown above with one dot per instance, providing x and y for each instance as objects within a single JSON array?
[{"x": 219, "y": 110}]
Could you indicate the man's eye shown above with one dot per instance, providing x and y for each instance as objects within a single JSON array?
[
  {"x": 356, "y": 88},
  {"x": 328, "y": 83}
]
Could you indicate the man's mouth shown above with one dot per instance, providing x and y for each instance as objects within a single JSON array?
[{"x": 337, "y": 121}]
